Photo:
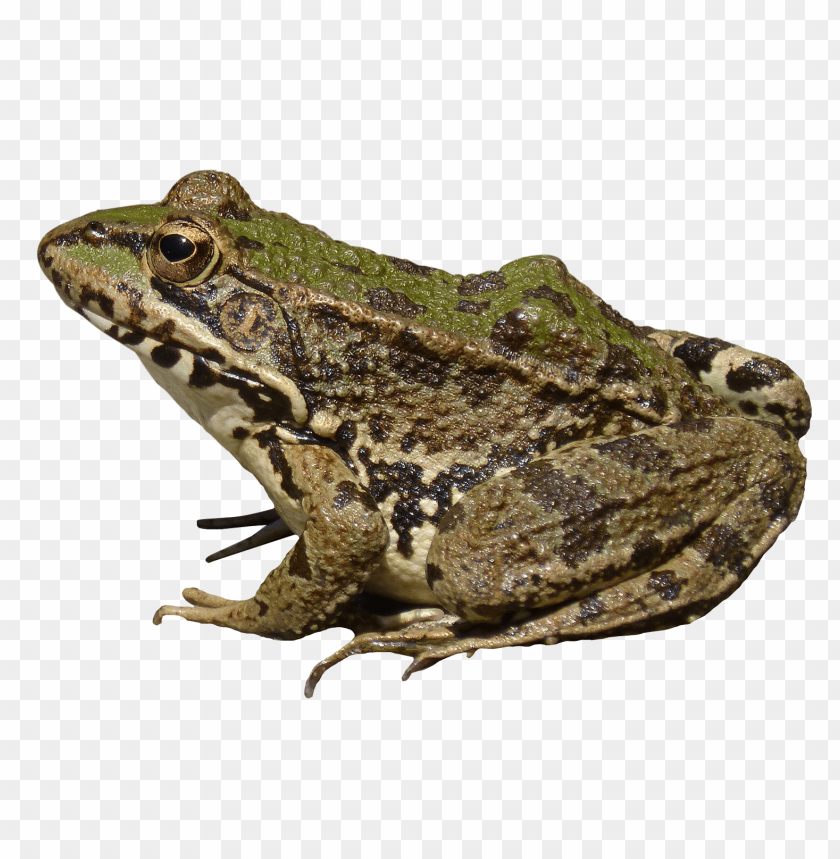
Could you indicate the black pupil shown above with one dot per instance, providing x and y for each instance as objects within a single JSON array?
[{"x": 176, "y": 248}]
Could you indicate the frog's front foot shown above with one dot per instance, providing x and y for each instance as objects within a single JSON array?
[
  {"x": 200, "y": 602},
  {"x": 201, "y": 598}
]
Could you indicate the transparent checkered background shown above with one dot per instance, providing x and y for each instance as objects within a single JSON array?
[{"x": 678, "y": 158}]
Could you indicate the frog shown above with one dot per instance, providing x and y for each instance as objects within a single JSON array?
[{"x": 468, "y": 462}]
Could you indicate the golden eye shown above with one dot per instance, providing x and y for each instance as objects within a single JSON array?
[{"x": 182, "y": 252}]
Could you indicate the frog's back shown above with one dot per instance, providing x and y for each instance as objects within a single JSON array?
[{"x": 530, "y": 310}]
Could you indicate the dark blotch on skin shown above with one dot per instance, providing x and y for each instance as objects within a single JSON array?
[
  {"x": 666, "y": 584},
  {"x": 299, "y": 564},
  {"x": 558, "y": 299},
  {"x": 776, "y": 499},
  {"x": 638, "y": 452},
  {"x": 135, "y": 300},
  {"x": 727, "y": 550},
  {"x": 621, "y": 365},
  {"x": 263, "y": 606},
  {"x": 165, "y": 355},
  {"x": 246, "y": 244},
  {"x": 405, "y": 480},
  {"x": 433, "y": 574},
  {"x": 202, "y": 376},
  {"x": 797, "y": 420},
  {"x": 658, "y": 400},
  {"x": 697, "y": 353},
  {"x": 387, "y": 301},
  {"x": 511, "y": 333},
  {"x": 132, "y": 338},
  {"x": 474, "y": 307},
  {"x": 295, "y": 339},
  {"x": 491, "y": 281},
  {"x": 758, "y": 373},
  {"x": 240, "y": 433},
  {"x": 353, "y": 269},
  {"x": 268, "y": 441},
  {"x": 647, "y": 552},
  {"x": 348, "y": 493},
  {"x": 381, "y": 427},
  {"x": 553, "y": 489},
  {"x": 213, "y": 355},
  {"x": 748, "y": 407},
  {"x": 409, "y": 267},
  {"x": 552, "y": 393},
  {"x": 590, "y": 609},
  {"x": 231, "y": 212},
  {"x": 576, "y": 502},
  {"x": 106, "y": 304},
  {"x": 346, "y": 434}
]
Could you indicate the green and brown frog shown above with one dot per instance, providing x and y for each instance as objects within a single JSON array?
[{"x": 468, "y": 461}]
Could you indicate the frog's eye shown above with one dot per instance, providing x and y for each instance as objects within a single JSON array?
[{"x": 182, "y": 252}]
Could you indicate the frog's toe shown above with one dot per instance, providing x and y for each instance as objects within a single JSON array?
[
  {"x": 202, "y": 598},
  {"x": 411, "y": 641}
]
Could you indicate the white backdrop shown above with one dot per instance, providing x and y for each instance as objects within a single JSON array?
[{"x": 677, "y": 158}]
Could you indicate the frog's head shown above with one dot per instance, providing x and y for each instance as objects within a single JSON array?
[
  {"x": 174, "y": 281},
  {"x": 142, "y": 266}
]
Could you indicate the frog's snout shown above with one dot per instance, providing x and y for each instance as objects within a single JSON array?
[{"x": 47, "y": 251}]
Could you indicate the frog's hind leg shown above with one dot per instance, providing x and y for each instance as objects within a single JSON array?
[
  {"x": 753, "y": 384},
  {"x": 603, "y": 538},
  {"x": 673, "y": 593}
]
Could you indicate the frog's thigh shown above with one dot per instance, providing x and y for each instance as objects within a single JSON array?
[
  {"x": 343, "y": 535},
  {"x": 701, "y": 500}
]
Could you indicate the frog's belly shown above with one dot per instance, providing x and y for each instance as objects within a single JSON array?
[{"x": 402, "y": 578}]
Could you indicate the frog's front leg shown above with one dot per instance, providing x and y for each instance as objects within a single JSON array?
[
  {"x": 603, "y": 537},
  {"x": 341, "y": 540},
  {"x": 756, "y": 385}
]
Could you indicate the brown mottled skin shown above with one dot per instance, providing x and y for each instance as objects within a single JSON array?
[{"x": 469, "y": 461}]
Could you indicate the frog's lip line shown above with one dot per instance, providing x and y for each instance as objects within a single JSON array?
[
  {"x": 208, "y": 353},
  {"x": 186, "y": 343}
]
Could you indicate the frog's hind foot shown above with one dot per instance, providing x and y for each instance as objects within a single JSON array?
[{"x": 426, "y": 641}]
